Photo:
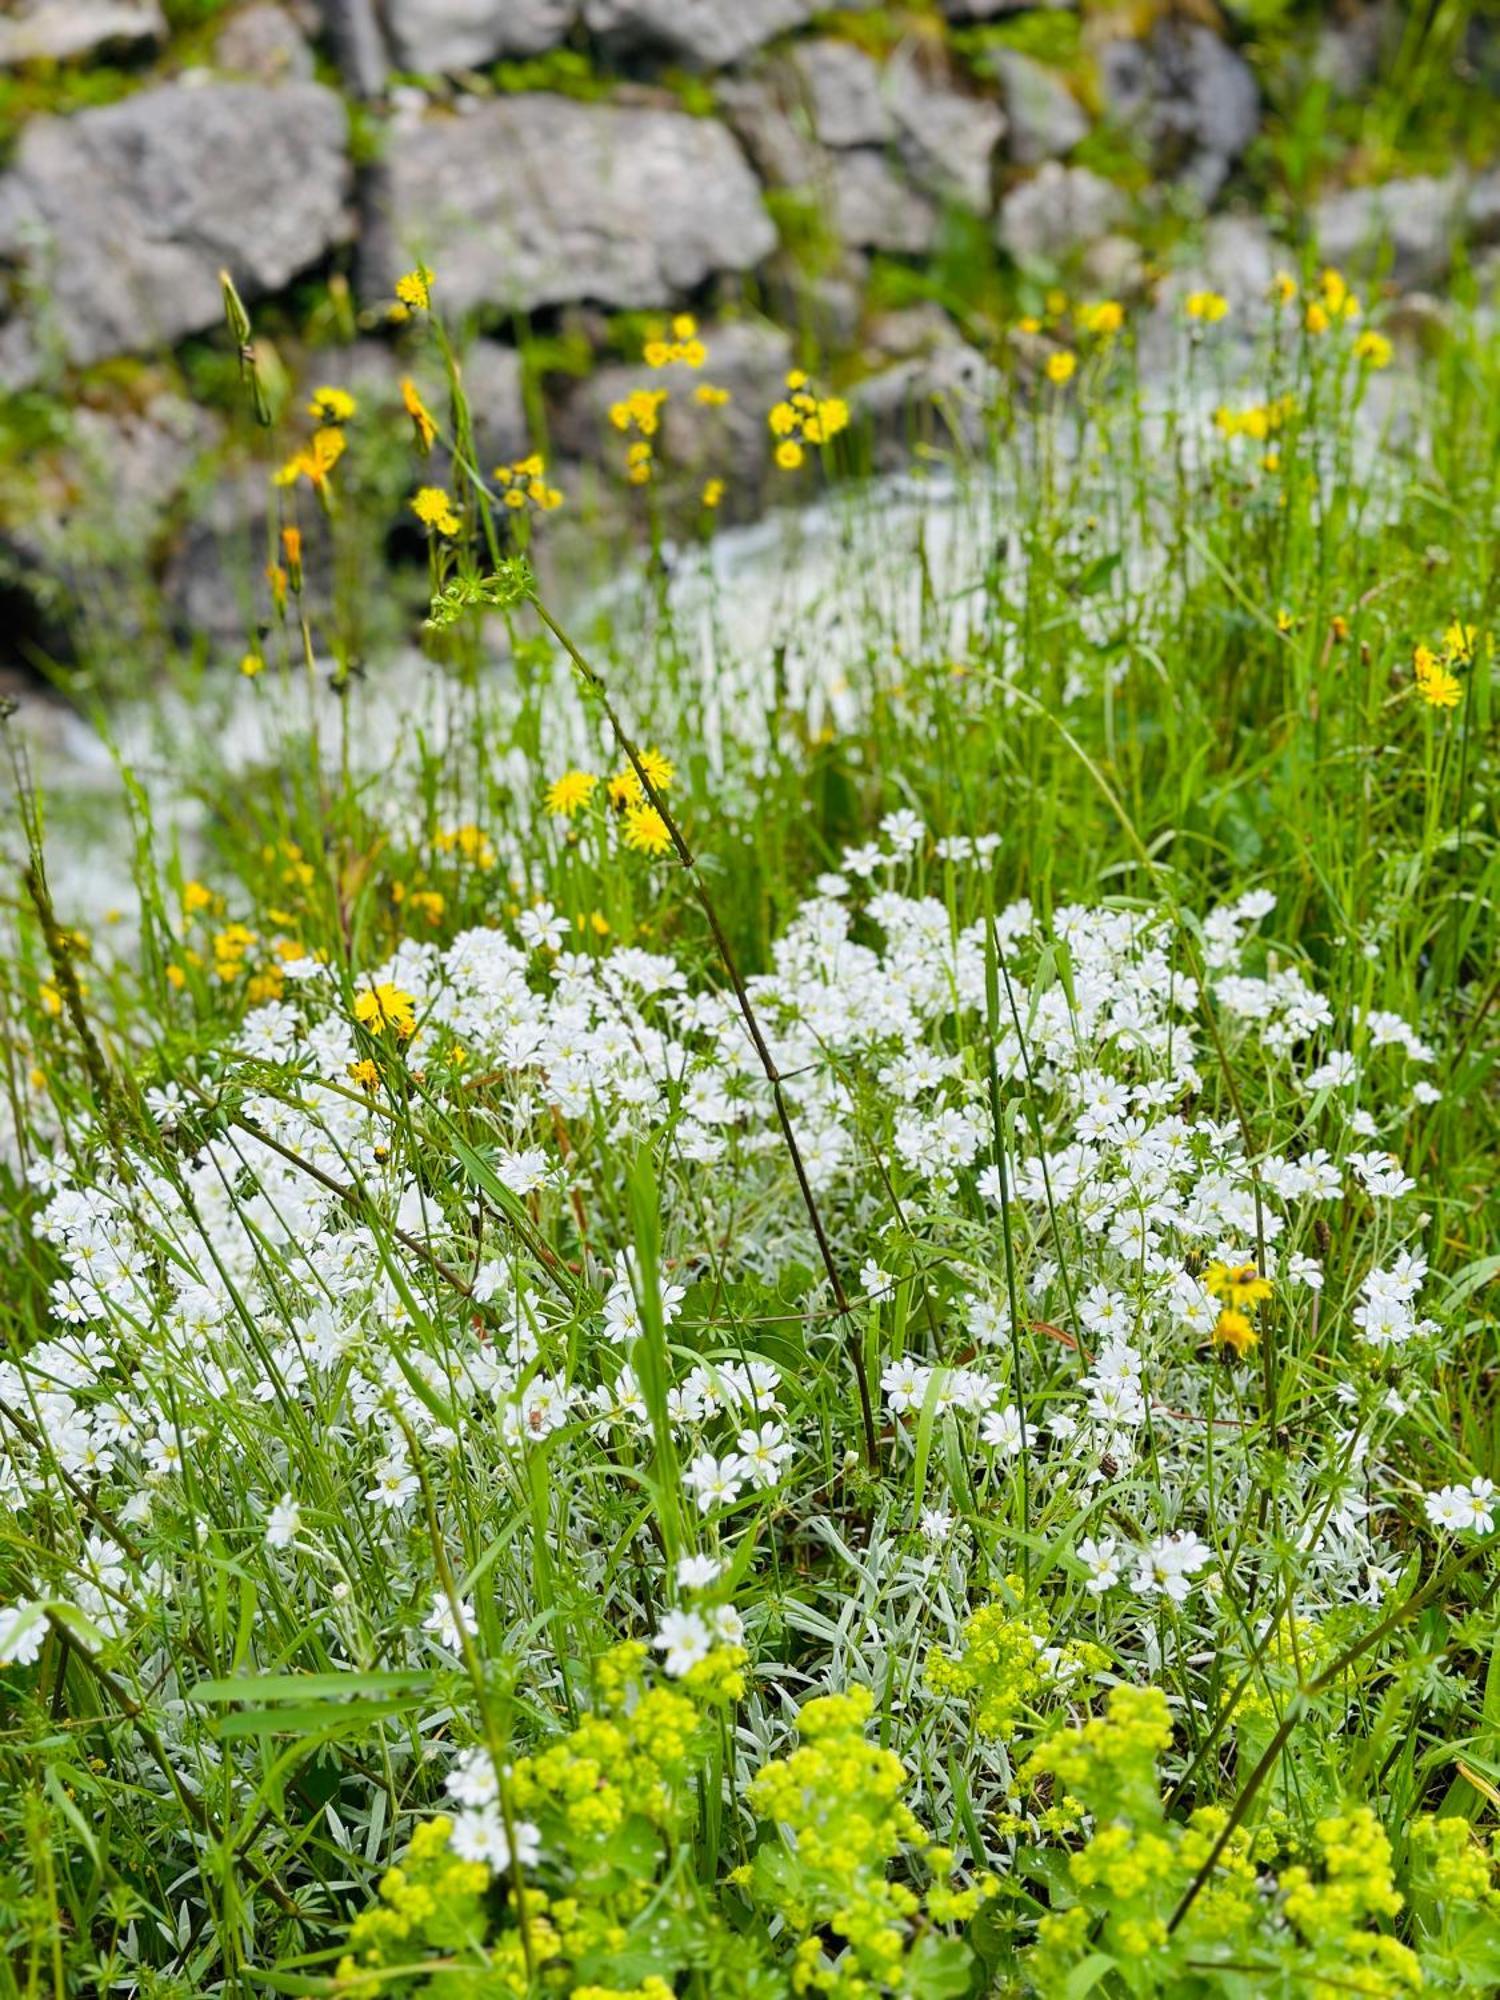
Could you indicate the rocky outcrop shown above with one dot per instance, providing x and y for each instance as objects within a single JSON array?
[
  {"x": 1188, "y": 95},
  {"x": 1046, "y": 120},
  {"x": 1411, "y": 224},
  {"x": 121, "y": 218},
  {"x": 535, "y": 200},
  {"x": 433, "y": 35},
  {"x": 1056, "y": 213},
  {"x": 702, "y": 34},
  {"x": 62, "y": 30}
]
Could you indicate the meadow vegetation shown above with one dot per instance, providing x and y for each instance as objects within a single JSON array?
[{"x": 799, "y": 1299}]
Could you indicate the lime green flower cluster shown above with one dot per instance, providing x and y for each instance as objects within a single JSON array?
[
  {"x": 839, "y": 1798},
  {"x": 1461, "y": 1871},
  {"x": 433, "y": 1902},
  {"x": 1357, "y": 1887},
  {"x": 1005, "y": 1668}
]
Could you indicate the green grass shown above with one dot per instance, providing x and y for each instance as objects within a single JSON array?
[{"x": 347, "y": 1204}]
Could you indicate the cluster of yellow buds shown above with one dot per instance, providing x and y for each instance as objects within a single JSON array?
[
  {"x": 525, "y": 482},
  {"x": 640, "y": 412},
  {"x": 802, "y": 418},
  {"x": 684, "y": 345}
]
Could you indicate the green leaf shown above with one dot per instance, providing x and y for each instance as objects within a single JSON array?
[
  {"x": 307, "y": 1687},
  {"x": 938, "y": 1968}
]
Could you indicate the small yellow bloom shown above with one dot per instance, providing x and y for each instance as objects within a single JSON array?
[
  {"x": 711, "y": 395},
  {"x": 570, "y": 793},
  {"x": 1209, "y": 307},
  {"x": 1061, "y": 367},
  {"x": 1233, "y": 1329},
  {"x": 1283, "y": 288},
  {"x": 1241, "y": 1284},
  {"x": 659, "y": 770},
  {"x": 251, "y": 665},
  {"x": 1102, "y": 317},
  {"x": 414, "y": 289},
  {"x": 713, "y": 493},
  {"x": 1459, "y": 640},
  {"x": 789, "y": 454},
  {"x": 332, "y": 406},
  {"x": 386, "y": 1006},
  {"x": 434, "y": 509},
  {"x": 1316, "y": 318},
  {"x": 646, "y": 830},
  {"x": 1438, "y": 688},
  {"x": 1373, "y": 349},
  {"x": 684, "y": 327}
]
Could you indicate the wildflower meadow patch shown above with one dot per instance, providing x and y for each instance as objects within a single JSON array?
[{"x": 784, "y": 1286}]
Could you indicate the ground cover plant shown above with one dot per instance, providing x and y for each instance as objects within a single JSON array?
[{"x": 807, "y": 1314}]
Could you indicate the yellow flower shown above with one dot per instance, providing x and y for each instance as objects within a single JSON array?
[
  {"x": 1233, "y": 1329},
  {"x": 570, "y": 793},
  {"x": 419, "y": 413},
  {"x": 646, "y": 830},
  {"x": 656, "y": 353},
  {"x": 1061, "y": 367},
  {"x": 386, "y": 1006},
  {"x": 414, "y": 289},
  {"x": 316, "y": 461},
  {"x": 1103, "y": 316},
  {"x": 1438, "y": 688},
  {"x": 713, "y": 492},
  {"x": 1340, "y": 301},
  {"x": 1285, "y": 622},
  {"x": 658, "y": 769},
  {"x": 1283, "y": 288},
  {"x": 251, "y": 665},
  {"x": 434, "y": 509},
  {"x": 1373, "y": 349},
  {"x": 332, "y": 406},
  {"x": 1316, "y": 318},
  {"x": 710, "y": 394},
  {"x": 1241, "y": 1284},
  {"x": 789, "y": 454},
  {"x": 1207, "y": 306},
  {"x": 796, "y": 379},
  {"x": 1459, "y": 640},
  {"x": 684, "y": 327},
  {"x": 1028, "y": 323}
]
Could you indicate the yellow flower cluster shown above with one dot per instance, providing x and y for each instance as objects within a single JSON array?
[
  {"x": 471, "y": 844},
  {"x": 1437, "y": 684},
  {"x": 1258, "y": 420},
  {"x": 435, "y": 510},
  {"x": 802, "y": 418},
  {"x": 1001, "y": 1670},
  {"x": 386, "y": 1006},
  {"x": 434, "y": 1900},
  {"x": 683, "y": 346},
  {"x": 525, "y": 483}
]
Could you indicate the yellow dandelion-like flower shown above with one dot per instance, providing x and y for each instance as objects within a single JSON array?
[
  {"x": 1209, "y": 307},
  {"x": 646, "y": 830},
  {"x": 1101, "y": 317},
  {"x": 434, "y": 509},
  {"x": 659, "y": 770},
  {"x": 1240, "y": 1284},
  {"x": 414, "y": 289},
  {"x": 570, "y": 793},
  {"x": 710, "y": 395},
  {"x": 332, "y": 406},
  {"x": 1061, "y": 367},
  {"x": 1373, "y": 349},
  {"x": 1233, "y": 1329},
  {"x": 1438, "y": 688},
  {"x": 251, "y": 665},
  {"x": 386, "y": 1006},
  {"x": 713, "y": 493},
  {"x": 789, "y": 454}
]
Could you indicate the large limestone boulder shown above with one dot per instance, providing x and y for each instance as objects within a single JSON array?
[
  {"x": 841, "y": 88},
  {"x": 1045, "y": 118},
  {"x": 703, "y": 34},
  {"x": 435, "y": 35},
  {"x": 1413, "y": 221},
  {"x": 875, "y": 209},
  {"x": 947, "y": 140},
  {"x": 1190, "y": 96},
  {"x": 66, "y": 30},
  {"x": 1058, "y": 212},
  {"x": 120, "y": 219},
  {"x": 537, "y": 200}
]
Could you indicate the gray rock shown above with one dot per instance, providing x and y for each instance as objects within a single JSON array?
[
  {"x": 437, "y": 35},
  {"x": 841, "y": 87},
  {"x": 121, "y": 218},
  {"x": 1189, "y": 95},
  {"x": 64, "y": 30},
  {"x": 263, "y": 42},
  {"x": 704, "y": 34},
  {"x": 932, "y": 401},
  {"x": 947, "y": 140},
  {"x": 732, "y": 441},
  {"x": 994, "y": 10},
  {"x": 1482, "y": 208},
  {"x": 874, "y": 209},
  {"x": 1045, "y": 118},
  {"x": 1414, "y": 221},
  {"x": 1348, "y": 51},
  {"x": 779, "y": 148},
  {"x": 1056, "y": 213},
  {"x": 536, "y": 200}
]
